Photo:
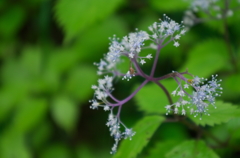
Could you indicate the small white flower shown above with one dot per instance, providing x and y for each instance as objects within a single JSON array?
[
  {"x": 183, "y": 112},
  {"x": 186, "y": 86},
  {"x": 154, "y": 36},
  {"x": 177, "y": 37},
  {"x": 149, "y": 56},
  {"x": 106, "y": 108},
  {"x": 181, "y": 93},
  {"x": 177, "y": 104},
  {"x": 94, "y": 87},
  {"x": 131, "y": 55},
  {"x": 174, "y": 93},
  {"x": 176, "y": 44},
  {"x": 176, "y": 111},
  {"x": 142, "y": 61},
  {"x": 168, "y": 107},
  {"x": 182, "y": 32}
]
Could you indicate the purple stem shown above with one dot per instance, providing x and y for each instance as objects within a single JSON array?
[
  {"x": 139, "y": 70},
  {"x": 156, "y": 59},
  {"x": 130, "y": 96},
  {"x": 112, "y": 97}
]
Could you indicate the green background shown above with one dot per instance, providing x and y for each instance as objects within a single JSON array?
[{"x": 47, "y": 51}]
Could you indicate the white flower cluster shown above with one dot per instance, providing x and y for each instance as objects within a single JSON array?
[
  {"x": 130, "y": 47},
  {"x": 198, "y": 102},
  {"x": 114, "y": 126},
  {"x": 204, "y": 4},
  {"x": 166, "y": 28},
  {"x": 213, "y": 8}
]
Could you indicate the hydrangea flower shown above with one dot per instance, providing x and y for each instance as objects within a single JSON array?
[
  {"x": 129, "y": 47},
  {"x": 202, "y": 96}
]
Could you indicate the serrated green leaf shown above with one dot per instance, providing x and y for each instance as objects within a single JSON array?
[
  {"x": 152, "y": 99},
  {"x": 29, "y": 113},
  {"x": 162, "y": 148},
  {"x": 80, "y": 80},
  {"x": 170, "y": 5},
  {"x": 190, "y": 149},
  {"x": 202, "y": 59},
  {"x": 223, "y": 113},
  {"x": 76, "y": 15},
  {"x": 145, "y": 128},
  {"x": 65, "y": 112}
]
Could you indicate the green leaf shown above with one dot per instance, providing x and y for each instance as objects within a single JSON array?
[
  {"x": 190, "y": 149},
  {"x": 202, "y": 59},
  {"x": 173, "y": 131},
  {"x": 31, "y": 59},
  {"x": 11, "y": 21},
  {"x": 223, "y": 113},
  {"x": 75, "y": 16},
  {"x": 80, "y": 80},
  {"x": 61, "y": 60},
  {"x": 56, "y": 150},
  {"x": 152, "y": 99},
  {"x": 145, "y": 128},
  {"x": 170, "y": 5},
  {"x": 162, "y": 148},
  {"x": 29, "y": 113},
  {"x": 7, "y": 101},
  {"x": 231, "y": 86},
  {"x": 10, "y": 140},
  {"x": 92, "y": 50},
  {"x": 65, "y": 112},
  {"x": 41, "y": 135}
]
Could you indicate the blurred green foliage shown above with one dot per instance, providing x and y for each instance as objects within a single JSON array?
[{"x": 47, "y": 50}]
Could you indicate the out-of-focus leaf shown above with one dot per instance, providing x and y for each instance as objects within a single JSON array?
[
  {"x": 145, "y": 128},
  {"x": 65, "y": 112},
  {"x": 84, "y": 151},
  {"x": 223, "y": 113},
  {"x": 190, "y": 149},
  {"x": 231, "y": 86},
  {"x": 11, "y": 21},
  {"x": 7, "y": 101},
  {"x": 56, "y": 150},
  {"x": 80, "y": 80},
  {"x": 75, "y": 15},
  {"x": 31, "y": 60},
  {"x": 12, "y": 140},
  {"x": 173, "y": 131},
  {"x": 162, "y": 148},
  {"x": 206, "y": 58},
  {"x": 61, "y": 60},
  {"x": 233, "y": 127},
  {"x": 220, "y": 132},
  {"x": 152, "y": 99},
  {"x": 29, "y": 114},
  {"x": 41, "y": 134},
  {"x": 91, "y": 44},
  {"x": 170, "y": 5}
]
